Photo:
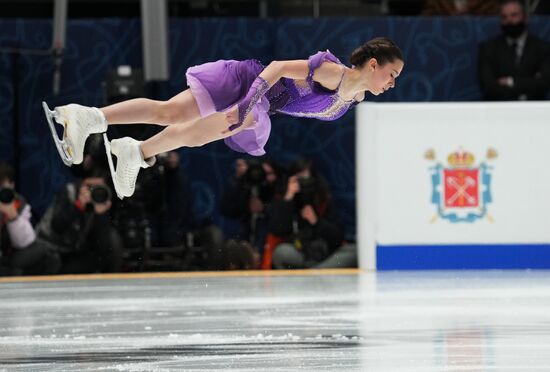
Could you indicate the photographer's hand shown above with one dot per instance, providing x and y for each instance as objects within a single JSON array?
[
  {"x": 293, "y": 187},
  {"x": 84, "y": 195},
  {"x": 308, "y": 214},
  {"x": 9, "y": 211}
]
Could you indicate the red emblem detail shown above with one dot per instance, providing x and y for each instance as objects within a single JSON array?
[{"x": 461, "y": 188}]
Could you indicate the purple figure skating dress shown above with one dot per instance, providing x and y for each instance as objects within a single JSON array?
[{"x": 218, "y": 86}]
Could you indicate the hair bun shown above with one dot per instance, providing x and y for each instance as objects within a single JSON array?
[{"x": 382, "y": 49}]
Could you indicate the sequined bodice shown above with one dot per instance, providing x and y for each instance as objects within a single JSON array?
[
  {"x": 288, "y": 97},
  {"x": 307, "y": 98}
]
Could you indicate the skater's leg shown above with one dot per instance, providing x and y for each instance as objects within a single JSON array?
[
  {"x": 81, "y": 121},
  {"x": 133, "y": 155},
  {"x": 181, "y": 108},
  {"x": 191, "y": 134}
]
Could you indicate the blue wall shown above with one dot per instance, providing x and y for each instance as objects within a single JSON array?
[{"x": 440, "y": 66}]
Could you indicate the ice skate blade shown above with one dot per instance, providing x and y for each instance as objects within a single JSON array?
[
  {"x": 62, "y": 146},
  {"x": 111, "y": 166}
]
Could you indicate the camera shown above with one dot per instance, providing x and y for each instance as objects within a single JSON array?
[
  {"x": 308, "y": 188},
  {"x": 6, "y": 195},
  {"x": 100, "y": 193}
]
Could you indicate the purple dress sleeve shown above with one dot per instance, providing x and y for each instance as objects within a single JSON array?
[{"x": 317, "y": 60}]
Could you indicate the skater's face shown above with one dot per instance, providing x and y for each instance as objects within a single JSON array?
[{"x": 382, "y": 77}]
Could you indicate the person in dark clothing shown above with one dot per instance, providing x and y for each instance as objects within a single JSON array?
[
  {"x": 460, "y": 7},
  {"x": 77, "y": 224},
  {"x": 247, "y": 197},
  {"x": 240, "y": 255},
  {"x": 168, "y": 198},
  {"x": 516, "y": 64},
  {"x": 308, "y": 221},
  {"x": 20, "y": 251}
]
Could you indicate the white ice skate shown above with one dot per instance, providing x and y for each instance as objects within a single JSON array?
[
  {"x": 129, "y": 161},
  {"x": 78, "y": 123}
]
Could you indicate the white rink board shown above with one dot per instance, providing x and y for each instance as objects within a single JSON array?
[{"x": 394, "y": 177}]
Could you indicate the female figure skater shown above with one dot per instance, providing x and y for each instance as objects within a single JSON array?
[{"x": 246, "y": 93}]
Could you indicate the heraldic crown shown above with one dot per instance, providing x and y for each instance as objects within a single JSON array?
[{"x": 461, "y": 159}]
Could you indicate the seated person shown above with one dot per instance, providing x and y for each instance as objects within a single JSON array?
[
  {"x": 308, "y": 222},
  {"x": 247, "y": 196},
  {"x": 460, "y": 7},
  {"x": 240, "y": 255},
  {"x": 21, "y": 253},
  {"x": 78, "y": 225},
  {"x": 164, "y": 197}
]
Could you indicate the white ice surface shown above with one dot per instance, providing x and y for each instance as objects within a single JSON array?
[{"x": 407, "y": 321}]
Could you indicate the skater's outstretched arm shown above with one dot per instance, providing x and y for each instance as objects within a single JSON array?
[{"x": 328, "y": 75}]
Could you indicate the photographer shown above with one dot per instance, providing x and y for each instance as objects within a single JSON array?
[
  {"x": 78, "y": 225},
  {"x": 20, "y": 251},
  {"x": 164, "y": 199},
  {"x": 247, "y": 196},
  {"x": 167, "y": 198},
  {"x": 307, "y": 221}
]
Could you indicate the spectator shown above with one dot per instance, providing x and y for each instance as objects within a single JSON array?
[
  {"x": 168, "y": 199},
  {"x": 77, "y": 224},
  {"x": 538, "y": 7},
  {"x": 240, "y": 255},
  {"x": 308, "y": 222},
  {"x": 402, "y": 7},
  {"x": 247, "y": 197},
  {"x": 460, "y": 7},
  {"x": 166, "y": 193},
  {"x": 516, "y": 64},
  {"x": 21, "y": 253}
]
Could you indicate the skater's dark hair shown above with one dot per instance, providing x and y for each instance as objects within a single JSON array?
[
  {"x": 6, "y": 172},
  {"x": 382, "y": 49}
]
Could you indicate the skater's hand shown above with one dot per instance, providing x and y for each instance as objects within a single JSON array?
[
  {"x": 293, "y": 187},
  {"x": 232, "y": 115},
  {"x": 232, "y": 118}
]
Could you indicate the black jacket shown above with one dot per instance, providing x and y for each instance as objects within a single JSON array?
[
  {"x": 531, "y": 75},
  {"x": 70, "y": 228},
  {"x": 286, "y": 222}
]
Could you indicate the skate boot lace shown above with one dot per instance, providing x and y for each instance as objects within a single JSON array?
[{"x": 128, "y": 174}]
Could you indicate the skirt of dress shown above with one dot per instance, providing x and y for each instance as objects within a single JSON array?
[{"x": 218, "y": 86}]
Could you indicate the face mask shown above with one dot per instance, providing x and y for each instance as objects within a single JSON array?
[{"x": 513, "y": 30}]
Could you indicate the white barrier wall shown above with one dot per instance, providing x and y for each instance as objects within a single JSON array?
[{"x": 449, "y": 181}]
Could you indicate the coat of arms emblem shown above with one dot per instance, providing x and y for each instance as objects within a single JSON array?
[{"x": 461, "y": 190}]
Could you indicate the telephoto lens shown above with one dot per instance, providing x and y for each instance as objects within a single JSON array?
[
  {"x": 100, "y": 194},
  {"x": 6, "y": 195}
]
